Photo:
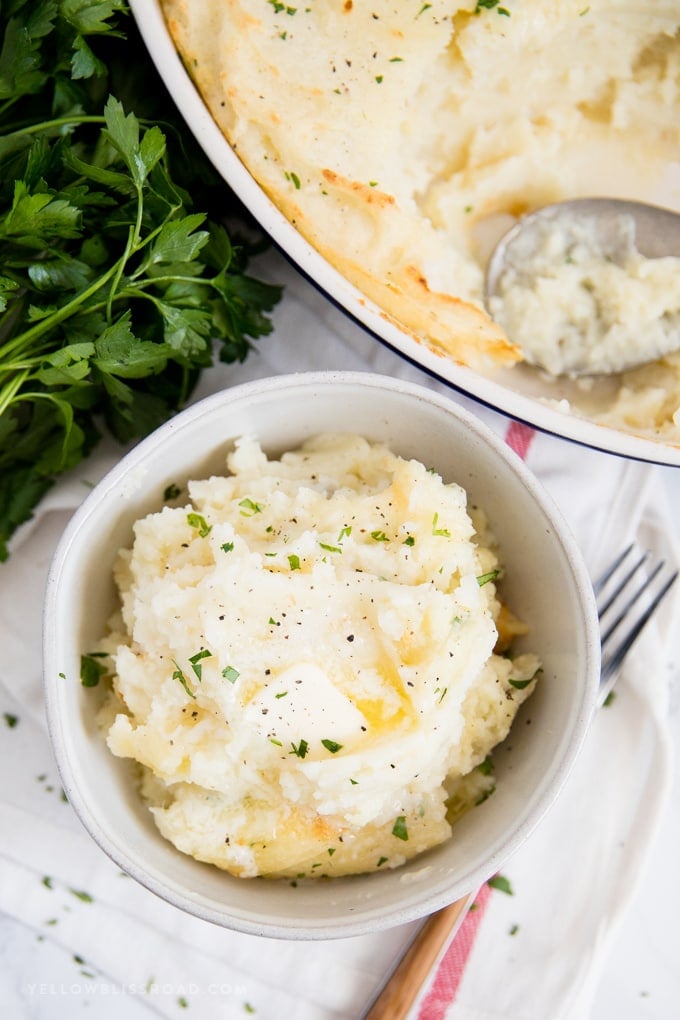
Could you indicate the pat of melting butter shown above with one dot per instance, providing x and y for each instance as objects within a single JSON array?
[
  {"x": 304, "y": 661},
  {"x": 304, "y": 699}
]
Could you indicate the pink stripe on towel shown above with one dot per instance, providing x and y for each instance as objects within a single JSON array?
[
  {"x": 449, "y": 975},
  {"x": 519, "y": 437}
]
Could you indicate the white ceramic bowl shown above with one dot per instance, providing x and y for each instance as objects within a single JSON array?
[
  {"x": 519, "y": 392},
  {"x": 546, "y": 584}
]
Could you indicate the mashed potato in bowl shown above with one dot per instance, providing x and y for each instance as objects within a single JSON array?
[
  {"x": 311, "y": 663},
  {"x": 400, "y": 139}
]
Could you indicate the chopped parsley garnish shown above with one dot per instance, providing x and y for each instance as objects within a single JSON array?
[
  {"x": 273, "y": 740},
  {"x": 199, "y": 523},
  {"x": 280, "y": 8},
  {"x": 47, "y": 882},
  {"x": 230, "y": 674},
  {"x": 344, "y": 533},
  {"x": 294, "y": 179},
  {"x": 195, "y": 661},
  {"x": 381, "y": 861},
  {"x": 399, "y": 828},
  {"x": 409, "y": 540},
  {"x": 171, "y": 492},
  {"x": 84, "y": 897},
  {"x": 300, "y": 749},
  {"x": 490, "y": 575},
  {"x": 294, "y": 561},
  {"x": 227, "y": 547},
  {"x": 91, "y": 670},
  {"x": 179, "y": 675},
  {"x": 332, "y": 746},
  {"x": 486, "y": 767},
  {"x": 442, "y": 532},
  {"x": 379, "y": 536},
  {"x": 10, "y": 719},
  {"x": 489, "y": 6},
  {"x": 249, "y": 507},
  {"x": 331, "y": 548},
  {"x": 501, "y": 883},
  {"x": 521, "y": 684}
]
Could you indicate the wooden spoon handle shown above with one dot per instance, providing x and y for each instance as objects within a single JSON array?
[{"x": 402, "y": 987}]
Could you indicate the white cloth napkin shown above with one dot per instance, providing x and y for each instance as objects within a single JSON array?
[{"x": 571, "y": 881}]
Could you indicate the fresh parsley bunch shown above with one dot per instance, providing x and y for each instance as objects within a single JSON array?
[{"x": 114, "y": 292}]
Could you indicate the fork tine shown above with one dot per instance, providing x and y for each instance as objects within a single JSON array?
[
  {"x": 624, "y": 611},
  {"x": 599, "y": 584},
  {"x": 614, "y": 660}
]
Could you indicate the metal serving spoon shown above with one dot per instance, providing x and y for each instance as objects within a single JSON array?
[{"x": 619, "y": 229}]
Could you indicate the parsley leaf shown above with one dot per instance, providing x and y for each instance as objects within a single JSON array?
[
  {"x": 399, "y": 828},
  {"x": 196, "y": 664},
  {"x": 116, "y": 292},
  {"x": 91, "y": 670},
  {"x": 199, "y": 522},
  {"x": 179, "y": 675},
  {"x": 520, "y": 683},
  {"x": 501, "y": 883}
]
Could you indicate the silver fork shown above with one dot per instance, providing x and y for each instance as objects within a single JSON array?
[{"x": 629, "y": 591}]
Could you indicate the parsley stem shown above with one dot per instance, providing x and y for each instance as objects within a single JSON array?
[
  {"x": 139, "y": 286},
  {"x": 11, "y": 388},
  {"x": 26, "y": 338},
  {"x": 91, "y": 209},
  {"x": 48, "y": 125},
  {"x": 133, "y": 236}
]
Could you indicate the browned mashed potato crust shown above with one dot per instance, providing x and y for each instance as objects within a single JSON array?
[
  {"x": 401, "y": 139},
  {"x": 231, "y": 51}
]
